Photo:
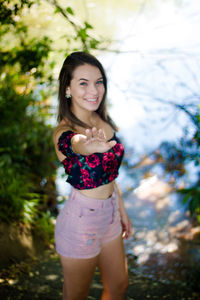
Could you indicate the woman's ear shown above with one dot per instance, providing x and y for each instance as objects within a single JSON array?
[
  {"x": 68, "y": 94},
  {"x": 67, "y": 90}
]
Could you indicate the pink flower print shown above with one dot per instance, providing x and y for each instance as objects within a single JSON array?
[
  {"x": 67, "y": 165},
  {"x": 118, "y": 149},
  {"x": 92, "y": 160},
  {"x": 109, "y": 162},
  {"x": 65, "y": 143},
  {"x": 86, "y": 179},
  {"x": 112, "y": 176}
]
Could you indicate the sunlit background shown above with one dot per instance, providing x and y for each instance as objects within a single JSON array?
[
  {"x": 150, "y": 50},
  {"x": 152, "y": 68}
]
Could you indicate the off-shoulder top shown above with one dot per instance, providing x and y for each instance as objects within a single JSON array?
[{"x": 90, "y": 171}]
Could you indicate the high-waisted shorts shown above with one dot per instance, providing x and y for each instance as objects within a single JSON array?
[{"x": 85, "y": 224}]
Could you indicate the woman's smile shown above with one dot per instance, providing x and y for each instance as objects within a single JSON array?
[{"x": 92, "y": 100}]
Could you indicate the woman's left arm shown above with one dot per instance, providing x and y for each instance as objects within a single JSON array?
[{"x": 126, "y": 222}]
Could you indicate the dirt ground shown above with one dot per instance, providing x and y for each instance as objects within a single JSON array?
[{"x": 42, "y": 279}]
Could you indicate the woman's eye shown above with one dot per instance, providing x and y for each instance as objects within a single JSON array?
[
  {"x": 100, "y": 82},
  {"x": 83, "y": 83}
]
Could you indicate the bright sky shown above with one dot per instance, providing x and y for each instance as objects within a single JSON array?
[{"x": 164, "y": 27}]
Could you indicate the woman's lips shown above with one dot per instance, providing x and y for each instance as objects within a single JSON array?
[{"x": 92, "y": 100}]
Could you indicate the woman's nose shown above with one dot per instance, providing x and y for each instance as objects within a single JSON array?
[{"x": 93, "y": 89}]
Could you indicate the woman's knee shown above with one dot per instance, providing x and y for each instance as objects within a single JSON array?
[
  {"x": 119, "y": 287},
  {"x": 123, "y": 285},
  {"x": 78, "y": 294}
]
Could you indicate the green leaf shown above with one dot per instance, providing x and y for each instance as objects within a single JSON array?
[
  {"x": 57, "y": 10},
  {"x": 88, "y": 26},
  {"x": 82, "y": 34},
  {"x": 94, "y": 43},
  {"x": 70, "y": 10}
]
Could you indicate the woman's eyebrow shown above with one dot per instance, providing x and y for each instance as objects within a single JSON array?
[
  {"x": 88, "y": 80},
  {"x": 83, "y": 79}
]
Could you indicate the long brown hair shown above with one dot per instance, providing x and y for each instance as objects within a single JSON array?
[{"x": 73, "y": 61}]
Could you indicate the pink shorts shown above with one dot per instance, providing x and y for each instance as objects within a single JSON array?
[{"x": 85, "y": 224}]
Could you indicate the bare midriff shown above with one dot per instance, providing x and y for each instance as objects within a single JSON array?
[{"x": 101, "y": 192}]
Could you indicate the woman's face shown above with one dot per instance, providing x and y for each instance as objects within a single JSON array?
[{"x": 86, "y": 88}]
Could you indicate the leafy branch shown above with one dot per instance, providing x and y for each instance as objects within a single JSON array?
[{"x": 82, "y": 33}]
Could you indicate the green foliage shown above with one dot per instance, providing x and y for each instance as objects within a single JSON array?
[
  {"x": 14, "y": 190},
  {"x": 28, "y": 55},
  {"x": 26, "y": 147},
  {"x": 44, "y": 224},
  {"x": 27, "y": 156},
  {"x": 30, "y": 209},
  {"x": 11, "y": 8},
  {"x": 192, "y": 197},
  {"x": 88, "y": 41},
  {"x": 83, "y": 34}
]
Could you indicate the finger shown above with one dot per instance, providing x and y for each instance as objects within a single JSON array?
[
  {"x": 123, "y": 231},
  {"x": 94, "y": 132},
  {"x": 82, "y": 137},
  {"x": 88, "y": 134},
  {"x": 129, "y": 231},
  {"x": 111, "y": 144},
  {"x": 126, "y": 235},
  {"x": 123, "y": 234},
  {"x": 101, "y": 134}
]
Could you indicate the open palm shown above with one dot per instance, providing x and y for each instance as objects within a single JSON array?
[{"x": 95, "y": 141}]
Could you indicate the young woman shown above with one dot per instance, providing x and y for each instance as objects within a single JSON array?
[{"x": 90, "y": 228}]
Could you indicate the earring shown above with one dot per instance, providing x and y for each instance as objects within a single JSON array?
[{"x": 68, "y": 96}]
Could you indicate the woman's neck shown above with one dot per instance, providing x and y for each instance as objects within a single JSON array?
[{"x": 88, "y": 117}]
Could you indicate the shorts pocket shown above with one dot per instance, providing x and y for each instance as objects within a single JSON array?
[{"x": 90, "y": 212}]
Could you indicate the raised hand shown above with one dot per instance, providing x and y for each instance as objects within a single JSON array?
[{"x": 95, "y": 141}]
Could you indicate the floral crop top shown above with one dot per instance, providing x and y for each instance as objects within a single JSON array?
[{"x": 90, "y": 171}]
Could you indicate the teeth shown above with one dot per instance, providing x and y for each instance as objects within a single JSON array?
[{"x": 92, "y": 100}]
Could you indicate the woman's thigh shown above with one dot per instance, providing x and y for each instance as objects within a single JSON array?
[
  {"x": 113, "y": 265},
  {"x": 78, "y": 274}
]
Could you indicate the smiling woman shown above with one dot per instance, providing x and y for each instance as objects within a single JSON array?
[
  {"x": 90, "y": 227},
  {"x": 82, "y": 76}
]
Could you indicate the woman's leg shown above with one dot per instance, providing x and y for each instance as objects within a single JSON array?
[
  {"x": 113, "y": 268},
  {"x": 78, "y": 274}
]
